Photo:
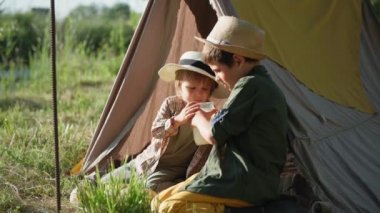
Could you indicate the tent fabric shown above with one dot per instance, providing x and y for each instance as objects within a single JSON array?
[
  {"x": 337, "y": 149},
  {"x": 370, "y": 54},
  {"x": 292, "y": 38},
  {"x": 135, "y": 80},
  {"x": 333, "y": 105}
]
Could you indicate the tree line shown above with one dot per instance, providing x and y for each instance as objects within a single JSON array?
[{"x": 91, "y": 28}]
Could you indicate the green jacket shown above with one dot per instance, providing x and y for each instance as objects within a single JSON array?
[{"x": 250, "y": 152}]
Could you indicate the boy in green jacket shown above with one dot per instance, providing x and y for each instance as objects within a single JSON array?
[{"x": 248, "y": 134}]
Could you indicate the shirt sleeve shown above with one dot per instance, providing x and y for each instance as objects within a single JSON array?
[
  {"x": 236, "y": 114},
  {"x": 162, "y": 126}
]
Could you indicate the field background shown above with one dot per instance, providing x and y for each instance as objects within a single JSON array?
[{"x": 91, "y": 43}]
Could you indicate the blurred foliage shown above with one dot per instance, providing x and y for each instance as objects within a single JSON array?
[
  {"x": 118, "y": 11},
  {"x": 20, "y": 36},
  {"x": 93, "y": 28},
  {"x": 96, "y": 28}
]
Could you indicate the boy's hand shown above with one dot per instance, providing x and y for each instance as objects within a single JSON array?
[
  {"x": 201, "y": 121},
  {"x": 203, "y": 115},
  {"x": 186, "y": 114}
]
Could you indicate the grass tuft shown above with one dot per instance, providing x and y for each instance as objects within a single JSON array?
[{"x": 115, "y": 196}]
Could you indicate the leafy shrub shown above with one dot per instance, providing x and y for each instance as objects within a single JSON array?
[
  {"x": 20, "y": 36},
  {"x": 90, "y": 28},
  {"x": 96, "y": 34},
  {"x": 97, "y": 28}
]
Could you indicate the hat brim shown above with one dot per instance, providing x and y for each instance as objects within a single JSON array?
[
  {"x": 249, "y": 53},
  {"x": 167, "y": 73}
]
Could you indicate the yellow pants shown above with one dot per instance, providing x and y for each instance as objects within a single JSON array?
[{"x": 172, "y": 200}]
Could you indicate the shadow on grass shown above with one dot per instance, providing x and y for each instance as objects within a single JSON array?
[
  {"x": 8, "y": 103},
  {"x": 90, "y": 83}
]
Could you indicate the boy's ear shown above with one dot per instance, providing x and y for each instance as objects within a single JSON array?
[{"x": 238, "y": 59}]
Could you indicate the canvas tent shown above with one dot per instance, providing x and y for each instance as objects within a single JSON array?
[{"x": 324, "y": 55}]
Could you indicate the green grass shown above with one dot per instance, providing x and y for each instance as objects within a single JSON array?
[
  {"x": 27, "y": 161},
  {"x": 115, "y": 196},
  {"x": 27, "y": 170}
]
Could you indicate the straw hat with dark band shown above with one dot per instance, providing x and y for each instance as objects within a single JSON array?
[
  {"x": 237, "y": 36},
  {"x": 192, "y": 61}
]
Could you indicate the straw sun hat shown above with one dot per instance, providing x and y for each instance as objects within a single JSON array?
[
  {"x": 192, "y": 61},
  {"x": 237, "y": 36}
]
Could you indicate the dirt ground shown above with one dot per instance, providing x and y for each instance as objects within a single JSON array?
[{"x": 48, "y": 205}]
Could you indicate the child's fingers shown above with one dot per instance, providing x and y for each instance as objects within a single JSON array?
[
  {"x": 192, "y": 110},
  {"x": 193, "y": 104},
  {"x": 190, "y": 116}
]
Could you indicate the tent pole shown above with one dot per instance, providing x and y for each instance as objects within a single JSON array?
[{"x": 54, "y": 104}]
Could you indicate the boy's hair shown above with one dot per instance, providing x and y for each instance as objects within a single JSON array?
[
  {"x": 182, "y": 75},
  {"x": 213, "y": 54}
]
